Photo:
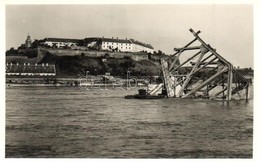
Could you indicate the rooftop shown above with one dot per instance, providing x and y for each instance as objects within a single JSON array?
[
  {"x": 117, "y": 40},
  {"x": 62, "y": 40},
  {"x": 30, "y": 69},
  {"x": 141, "y": 43}
]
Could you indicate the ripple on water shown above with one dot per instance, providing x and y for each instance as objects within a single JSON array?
[{"x": 67, "y": 122}]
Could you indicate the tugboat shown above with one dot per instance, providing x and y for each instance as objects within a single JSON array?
[{"x": 142, "y": 94}]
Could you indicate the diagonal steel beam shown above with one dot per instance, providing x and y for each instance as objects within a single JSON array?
[
  {"x": 173, "y": 63},
  {"x": 205, "y": 64},
  {"x": 170, "y": 70},
  {"x": 187, "y": 45},
  {"x": 188, "y": 78},
  {"x": 209, "y": 89},
  {"x": 186, "y": 48},
  {"x": 206, "y": 82},
  {"x": 202, "y": 62},
  {"x": 210, "y": 48},
  {"x": 207, "y": 58},
  {"x": 225, "y": 68},
  {"x": 198, "y": 69},
  {"x": 218, "y": 93}
]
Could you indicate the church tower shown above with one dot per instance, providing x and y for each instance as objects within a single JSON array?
[{"x": 28, "y": 42}]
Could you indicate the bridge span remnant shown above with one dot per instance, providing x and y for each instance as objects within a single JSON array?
[{"x": 202, "y": 72}]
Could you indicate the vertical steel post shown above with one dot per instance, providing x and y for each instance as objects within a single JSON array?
[
  {"x": 223, "y": 87},
  {"x": 174, "y": 87},
  {"x": 195, "y": 67},
  {"x": 173, "y": 63},
  {"x": 247, "y": 92},
  {"x": 229, "y": 83}
]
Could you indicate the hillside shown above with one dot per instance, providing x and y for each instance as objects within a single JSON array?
[
  {"x": 75, "y": 63},
  {"x": 75, "y": 66}
]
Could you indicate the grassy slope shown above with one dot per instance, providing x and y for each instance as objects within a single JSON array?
[{"x": 75, "y": 66}]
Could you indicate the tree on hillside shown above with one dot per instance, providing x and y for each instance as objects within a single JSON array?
[
  {"x": 149, "y": 56},
  {"x": 36, "y": 43},
  {"x": 11, "y": 51},
  {"x": 54, "y": 45}
]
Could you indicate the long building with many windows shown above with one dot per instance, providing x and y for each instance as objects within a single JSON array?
[
  {"x": 61, "y": 42},
  {"x": 106, "y": 44},
  {"x": 115, "y": 44}
]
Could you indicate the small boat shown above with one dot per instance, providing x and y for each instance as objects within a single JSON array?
[
  {"x": 9, "y": 86},
  {"x": 143, "y": 95}
]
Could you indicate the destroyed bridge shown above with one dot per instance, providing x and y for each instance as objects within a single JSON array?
[{"x": 219, "y": 79}]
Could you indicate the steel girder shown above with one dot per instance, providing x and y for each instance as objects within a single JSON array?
[{"x": 204, "y": 73}]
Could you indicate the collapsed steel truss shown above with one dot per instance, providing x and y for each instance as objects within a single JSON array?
[{"x": 204, "y": 74}]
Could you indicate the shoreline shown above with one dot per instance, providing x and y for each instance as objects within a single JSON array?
[{"x": 11, "y": 85}]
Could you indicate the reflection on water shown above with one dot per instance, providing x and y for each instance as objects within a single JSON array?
[{"x": 68, "y": 122}]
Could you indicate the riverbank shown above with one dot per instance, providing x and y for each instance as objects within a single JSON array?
[{"x": 73, "y": 65}]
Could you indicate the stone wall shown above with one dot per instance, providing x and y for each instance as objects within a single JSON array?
[
  {"x": 69, "y": 52},
  {"x": 21, "y": 59}
]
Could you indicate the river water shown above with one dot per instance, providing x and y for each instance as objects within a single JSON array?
[{"x": 66, "y": 122}]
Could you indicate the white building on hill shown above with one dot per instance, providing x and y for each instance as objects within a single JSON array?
[
  {"x": 110, "y": 44},
  {"x": 115, "y": 44},
  {"x": 61, "y": 42},
  {"x": 139, "y": 46},
  {"x": 123, "y": 45}
]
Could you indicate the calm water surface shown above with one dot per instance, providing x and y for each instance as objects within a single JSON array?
[{"x": 67, "y": 122}]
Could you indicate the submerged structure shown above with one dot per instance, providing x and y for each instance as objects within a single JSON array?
[{"x": 198, "y": 71}]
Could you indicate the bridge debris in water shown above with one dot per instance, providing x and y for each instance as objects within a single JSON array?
[{"x": 198, "y": 71}]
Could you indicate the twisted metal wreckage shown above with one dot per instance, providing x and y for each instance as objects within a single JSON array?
[{"x": 209, "y": 76}]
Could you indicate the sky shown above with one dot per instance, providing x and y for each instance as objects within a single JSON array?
[{"x": 226, "y": 27}]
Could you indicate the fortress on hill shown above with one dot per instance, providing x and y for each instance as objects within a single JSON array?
[
  {"x": 93, "y": 43},
  {"x": 42, "y": 57}
]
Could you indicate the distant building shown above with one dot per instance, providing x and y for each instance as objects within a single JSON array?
[
  {"x": 61, "y": 42},
  {"x": 106, "y": 44},
  {"x": 28, "y": 42},
  {"x": 123, "y": 45},
  {"x": 139, "y": 46},
  {"x": 115, "y": 44},
  {"x": 30, "y": 70}
]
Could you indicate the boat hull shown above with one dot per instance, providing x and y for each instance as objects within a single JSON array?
[{"x": 145, "y": 96}]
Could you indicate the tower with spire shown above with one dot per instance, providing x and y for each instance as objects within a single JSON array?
[{"x": 28, "y": 41}]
